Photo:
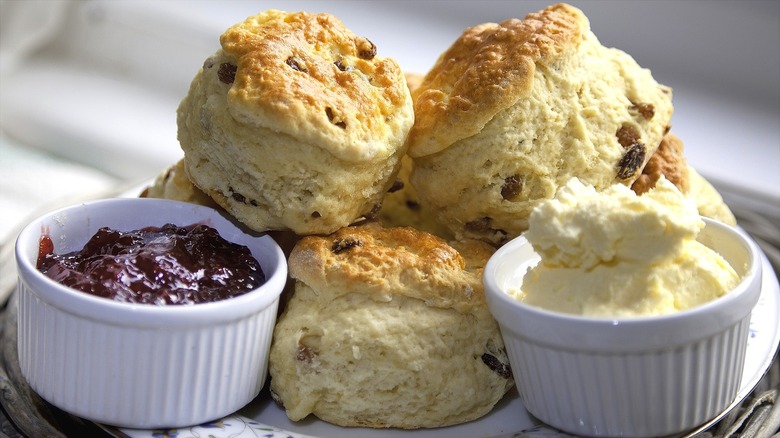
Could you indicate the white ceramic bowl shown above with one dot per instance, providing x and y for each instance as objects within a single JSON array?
[
  {"x": 142, "y": 365},
  {"x": 646, "y": 376}
]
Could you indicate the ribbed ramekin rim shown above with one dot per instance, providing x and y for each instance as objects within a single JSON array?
[
  {"x": 502, "y": 304},
  {"x": 146, "y": 315}
]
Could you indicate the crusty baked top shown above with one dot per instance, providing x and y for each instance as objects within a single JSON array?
[
  {"x": 384, "y": 262},
  {"x": 308, "y": 76},
  {"x": 487, "y": 69}
]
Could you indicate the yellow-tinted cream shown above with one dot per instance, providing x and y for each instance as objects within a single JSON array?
[{"x": 615, "y": 254}]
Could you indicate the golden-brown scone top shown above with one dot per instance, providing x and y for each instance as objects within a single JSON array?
[
  {"x": 512, "y": 111},
  {"x": 668, "y": 160},
  {"x": 375, "y": 260},
  {"x": 487, "y": 69},
  {"x": 308, "y": 76},
  {"x": 295, "y": 123}
]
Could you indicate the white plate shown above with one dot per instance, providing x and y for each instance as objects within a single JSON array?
[{"x": 264, "y": 418}]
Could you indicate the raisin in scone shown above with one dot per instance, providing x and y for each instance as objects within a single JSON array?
[
  {"x": 295, "y": 123},
  {"x": 388, "y": 327},
  {"x": 513, "y": 110}
]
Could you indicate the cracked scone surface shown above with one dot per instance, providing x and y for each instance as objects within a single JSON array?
[
  {"x": 513, "y": 110},
  {"x": 295, "y": 123},
  {"x": 388, "y": 327}
]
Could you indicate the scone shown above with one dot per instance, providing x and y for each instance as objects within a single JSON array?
[
  {"x": 669, "y": 161},
  {"x": 173, "y": 183},
  {"x": 388, "y": 327},
  {"x": 511, "y": 111},
  {"x": 295, "y": 123}
]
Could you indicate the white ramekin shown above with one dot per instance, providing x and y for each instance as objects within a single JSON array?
[
  {"x": 142, "y": 365},
  {"x": 641, "y": 377}
]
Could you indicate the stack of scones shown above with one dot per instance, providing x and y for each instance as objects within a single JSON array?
[{"x": 390, "y": 191}]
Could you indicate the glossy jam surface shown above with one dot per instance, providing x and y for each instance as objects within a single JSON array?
[{"x": 156, "y": 265}]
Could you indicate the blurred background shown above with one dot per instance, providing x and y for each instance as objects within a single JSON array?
[{"x": 89, "y": 89}]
